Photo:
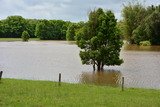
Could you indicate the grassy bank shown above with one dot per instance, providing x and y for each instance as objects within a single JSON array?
[
  {"x": 25, "y": 93},
  {"x": 16, "y": 39}
]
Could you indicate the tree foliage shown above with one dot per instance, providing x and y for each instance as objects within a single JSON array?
[
  {"x": 133, "y": 14},
  {"x": 71, "y": 31},
  {"x": 44, "y": 30},
  {"x": 121, "y": 27},
  {"x": 148, "y": 30},
  {"x": 141, "y": 23},
  {"x": 25, "y": 36},
  {"x": 30, "y": 26},
  {"x": 13, "y": 26},
  {"x": 99, "y": 40},
  {"x": 51, "y": 30},
  {"x": 59, "y": 29}
]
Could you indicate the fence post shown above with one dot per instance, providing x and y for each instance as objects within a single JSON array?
[
  {"x": 122, "y": 83},
  {"x": 59, "y": 79},
  {"x": 1, "y": 74}
]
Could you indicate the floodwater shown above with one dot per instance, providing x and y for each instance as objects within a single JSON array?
[{"x": 44, "y": 60}]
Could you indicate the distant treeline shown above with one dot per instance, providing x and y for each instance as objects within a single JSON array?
[
  {"x": 13, "y": 26},
  {"x": 141, "y": 23}
]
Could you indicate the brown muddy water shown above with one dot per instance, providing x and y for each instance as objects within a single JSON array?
[{"x": 44, "y": 60}]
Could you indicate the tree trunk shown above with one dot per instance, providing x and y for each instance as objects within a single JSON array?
[
  {"x": 99, "y": 66},
  {"x": 94, "y": 67},
  {"x": 93, "y": 63},
  {"x": 102, "y": 66}
]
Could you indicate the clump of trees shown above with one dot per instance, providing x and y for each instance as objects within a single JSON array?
[
  {"x": 100, "y": 40},
  {"x": 13, "y": 26},
  {"x": 141, "y": 23},
  {"x": 51, "y": 29}
]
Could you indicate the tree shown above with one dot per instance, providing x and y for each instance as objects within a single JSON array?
[
  {"x": 51, "y": 29},
  {"x": 59, "y": 28},
  {"x": 25, "y": 36},
  {"x": 1, "y": 29},
  {"x": 148, "y": 30},
  {"x": 44, "y": 30},
  {"x": 121, "y": 27},
  {"x": 133, "y": 14},
  {"x": 70, "y": 33},
  {"x": 14, "y": 26},
  {"x": 99, "y": 40},
  {"x": 73, "y": 28},
  {"x": 31, "y": 26},
  {"x": 153, "y": 25}
]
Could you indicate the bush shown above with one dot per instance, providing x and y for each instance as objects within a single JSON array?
[
  {"x": 25, "y": 36},
  {"x": 145, "y": 43}
]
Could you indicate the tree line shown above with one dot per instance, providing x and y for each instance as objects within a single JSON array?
[
  {"x": 140, "y": 23},
  {"x": 13, "y": 26}
]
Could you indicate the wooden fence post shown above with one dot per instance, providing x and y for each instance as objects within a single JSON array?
[
  {"x": 1, "y": 74},
  {"x": 59, "y": 79},
  {"x": 122, "y": 83}
]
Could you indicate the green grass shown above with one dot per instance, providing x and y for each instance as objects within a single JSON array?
[
  {"x": 26, "y": 93},
  {"x": 16, "y": 39}
]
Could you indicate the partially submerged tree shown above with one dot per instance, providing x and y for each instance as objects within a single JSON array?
[{"x": 100, "y": 40}]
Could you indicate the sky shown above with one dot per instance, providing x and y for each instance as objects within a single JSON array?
[{"x": 68, "y": 10}]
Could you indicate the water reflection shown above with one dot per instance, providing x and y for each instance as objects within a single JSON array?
[
  {"x": 108, "y": 77},
  {"x": 140, "y": 48}
]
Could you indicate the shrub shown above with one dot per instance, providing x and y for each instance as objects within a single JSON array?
[
  {"x": 145, "y": 43},
  {"x": 25, "y": 36}
]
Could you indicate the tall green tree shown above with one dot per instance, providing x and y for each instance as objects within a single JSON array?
[
  {"x": 100, "y": 40},
  {"x": 148, "y": 30},
  {"x": 133, "y": 14},
  {"x": 154, "y": 27}
]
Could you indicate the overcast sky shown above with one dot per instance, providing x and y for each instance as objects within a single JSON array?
[{"x": 70, "y": 10}]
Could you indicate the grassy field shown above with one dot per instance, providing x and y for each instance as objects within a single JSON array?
[
  {"x": 26, "y": 93},
  {"x": 16, "y": 39}
]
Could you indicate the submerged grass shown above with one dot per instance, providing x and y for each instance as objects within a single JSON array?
[
  {"x": 27, "y": 93},
  {"x": 16, "y": 39}
]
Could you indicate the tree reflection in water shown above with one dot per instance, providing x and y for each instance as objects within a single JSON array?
[{"x": 107, "y": 77}]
